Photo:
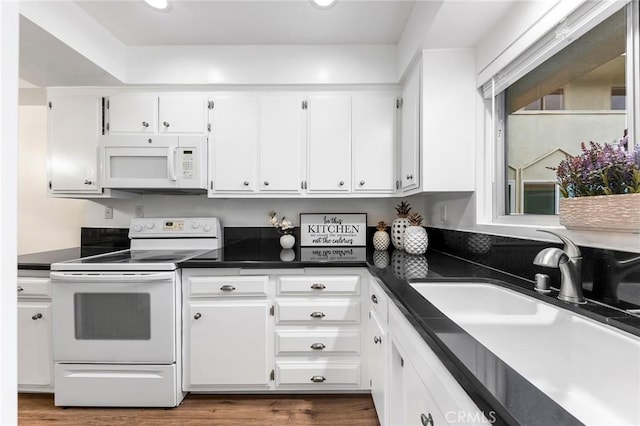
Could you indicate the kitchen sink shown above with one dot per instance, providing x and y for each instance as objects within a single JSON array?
[{"x": 591, "y": 369}]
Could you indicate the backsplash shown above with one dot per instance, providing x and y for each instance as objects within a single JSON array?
[{"x": 609, "y": 276}]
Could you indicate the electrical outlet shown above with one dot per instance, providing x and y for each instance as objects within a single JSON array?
[
  {"x": 108, "y": 212},
  {"x": 443, "y": 213},
  {"x": 139, "y": 211}
]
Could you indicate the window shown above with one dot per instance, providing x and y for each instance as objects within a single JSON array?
[
  {"x": 576, "y": 95},
  {"x": 619, "y": 98}
]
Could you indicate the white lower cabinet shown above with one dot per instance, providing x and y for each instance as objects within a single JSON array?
[
  {"x": 229, "y": 343},
  {"x": 421, "y": 389},
  {"x": 226, "y": 332},
  {"x": 35, "y": 354}
]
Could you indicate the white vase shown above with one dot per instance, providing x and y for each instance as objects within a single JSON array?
[
  {"x": 415, "y": 240},
  {"x": 287, "y": 241},
  {"x": 381, "y": 240},
  {"x": 398, "y": 226}
]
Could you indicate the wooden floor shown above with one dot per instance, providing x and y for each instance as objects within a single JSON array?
[{"x": 334, "y": 410}]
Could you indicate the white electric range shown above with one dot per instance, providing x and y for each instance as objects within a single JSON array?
[{"x": 116, "y": 316}]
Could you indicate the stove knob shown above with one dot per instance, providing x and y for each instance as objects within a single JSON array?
[
  {"x": 207, "y": 228},
  {"x": 150, "y": 225},
  {"x": 195, "y": 225},
  {"x": 137, "y": 228}
]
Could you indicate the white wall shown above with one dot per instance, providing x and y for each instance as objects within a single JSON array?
[
  {"x": 44, "y": 223},
  {"x": 241, "y": 212},
  {"x": 8, "y": 173}
]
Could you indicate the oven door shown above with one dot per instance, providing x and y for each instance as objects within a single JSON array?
[{"x": 114, "y": 317}]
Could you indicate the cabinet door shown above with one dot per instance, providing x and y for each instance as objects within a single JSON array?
[
  {"x": 420, "y": 409},
  {"x": 374, "y": 143},
  {"x": 410, "y": 146},
  {"x": 228, "y": 343},
  {"x": 329, "y": 156},
  {"x": 378, "y": 345},
  {"x": 35, "y": 356},
  {"x": 282, "y": 138},
  {"x": 184, "y": 115},
  {"x": 132, "y": 113},
  {"x": 235, "y": 143},
  {"x": 73, "y": 132}
]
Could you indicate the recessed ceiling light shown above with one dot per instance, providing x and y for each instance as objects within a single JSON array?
[
  {"x": 158, "y": 4},
  {"x": 323, "y": 4}
]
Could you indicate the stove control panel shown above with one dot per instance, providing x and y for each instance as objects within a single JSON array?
[{"x": 192, "y": 227}]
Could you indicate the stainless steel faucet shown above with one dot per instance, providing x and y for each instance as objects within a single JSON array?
[{"x": 569, "y": 260}]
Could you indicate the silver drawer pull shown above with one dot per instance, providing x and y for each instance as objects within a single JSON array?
[
  {"x": 318, "y": 346},
  {"x": 426, "y": 420},
  {"x": 227, "y": 287},
  {"x": 318, "y": 379},
  {"x": 377, "y": 339},
  {"x": 145, "y": 124},
  {"x": 318, "y": 286},
  {"x": 20, "y": 289},
  {"x": 197, "y": 316},
  {"x": 317, "y": 315},
  {"x": 374, "y": 299},
  {"x": 36, "y": 316}
]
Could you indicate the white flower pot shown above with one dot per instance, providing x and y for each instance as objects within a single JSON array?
[
  {"x": 415, "y": 240},
  {"x": 398, "y": 227},
  {"x": 287, "y": 241},
  {"x": 381, "y": 240}
]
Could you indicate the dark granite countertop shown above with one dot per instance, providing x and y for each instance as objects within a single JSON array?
[{"x": 493, "y": 385}]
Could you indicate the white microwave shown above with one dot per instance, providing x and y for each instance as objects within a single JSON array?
[{"x": 154, "y": 162}]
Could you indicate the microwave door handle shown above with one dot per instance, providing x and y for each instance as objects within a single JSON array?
[{"x": 172, "y": 164}]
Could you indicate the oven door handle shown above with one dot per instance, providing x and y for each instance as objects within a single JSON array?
[{"x": 101, "y": 278}]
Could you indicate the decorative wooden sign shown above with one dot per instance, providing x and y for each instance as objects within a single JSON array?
[{"x": 333, "y": 229}]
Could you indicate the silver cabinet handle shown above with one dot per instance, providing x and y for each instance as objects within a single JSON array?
[
  {"x": 197, "y": 316},
  {"x": 318, "y": 346},
  {"x": 409, "y": 177},
  {"x": 266, "y": 183},
  {"x": 145, "y": 124},
  {"x": 361, "y": 183},
  {"x": 317, "y": 315},
  {"x": 318, "y": 379},
  {"x": 227, "y": 287},
  {"x": 374, "y": 298},
  {"x": 20, "y": 289},
  {"x": 377, "y": 339},
  {"x": 36, "y": 316},
  {"x": 426, "y": 420},
  {"x": 318, "y": 286},
  {"x": 341, "y": 183},
  {"x": 245, "y": 183},
  {"x": 165, "y": 124},
  {"x": 87, "y": 182}
]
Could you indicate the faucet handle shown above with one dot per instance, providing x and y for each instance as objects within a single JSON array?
[{"x": 570, "y": 248}]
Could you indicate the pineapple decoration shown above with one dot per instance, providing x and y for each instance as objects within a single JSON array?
[
  {"x": 380, "y": 237},
  {"x": 415, "y": 237},
  {"x": 400, "y": 224}
]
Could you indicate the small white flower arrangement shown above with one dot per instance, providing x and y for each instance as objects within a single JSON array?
[{"x": 283, "y": 227}]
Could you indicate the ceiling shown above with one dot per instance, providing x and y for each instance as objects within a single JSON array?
[{"x": 247, "y": 22}]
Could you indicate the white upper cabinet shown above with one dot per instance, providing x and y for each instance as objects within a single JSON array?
[
  {"x": 281, "y": 144},
  {"x": 234, "y": 145},
  {"x": 144, "y": 113},
  {"x": 183, "y": 114},
  {"x": 132, "y": 113},
  {"x": 329, "y": 143},
  {"x": 73, "y": 132},
  {"x": 410, "y": 142},
  {"x": 374, "y": 143}
]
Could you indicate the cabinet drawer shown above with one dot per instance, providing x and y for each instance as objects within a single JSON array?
[
  {"x": 319, "y": 285},
  {"x": 379, "y": 302},
  {"x": 318, "y": 312},
  {"x": 317, "y": 342},
  {"x": 34, "y": 287},
  {"x": 318, "y": 374},
  {"x": 228, "y": 286}
]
